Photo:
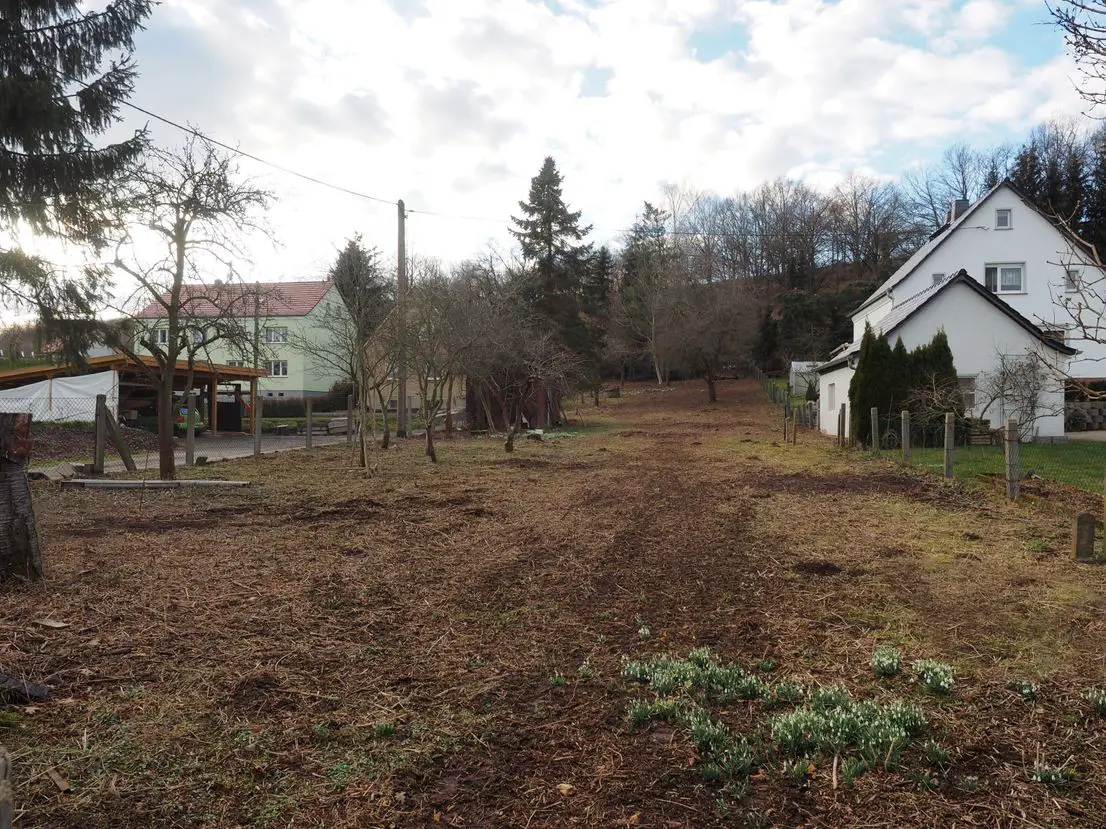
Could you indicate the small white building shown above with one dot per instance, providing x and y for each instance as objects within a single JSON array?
[{"x": 980, "y": 327}]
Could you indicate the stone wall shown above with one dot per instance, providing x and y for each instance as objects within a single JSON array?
[{"x": 1085, "y": 415}]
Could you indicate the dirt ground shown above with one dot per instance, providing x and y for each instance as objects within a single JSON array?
[{"x": 444, "y": 645}]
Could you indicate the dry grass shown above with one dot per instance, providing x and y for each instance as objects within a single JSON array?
[{"x": 239, "y": 658}]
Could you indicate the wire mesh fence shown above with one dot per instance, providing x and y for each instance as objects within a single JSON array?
[{"x": 797, "y": 413}]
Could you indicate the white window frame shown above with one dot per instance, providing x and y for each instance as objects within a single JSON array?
[
  {"x": 276, "y": 335},
  {"x": 1009, "y": 218},
  {"x": 161, "y": 336},
  {"x": 278, "y": 368},
  {"x": 998, "y": 267},
  {"x": 967, "y": 386},
  {"x": 1056, "y": 333},
  {"x": 831, "y": 397},
  {"x": 196, "y": 335},
  {"x": 236, "y": 363},
  {"x": 1073, "y": 277}
]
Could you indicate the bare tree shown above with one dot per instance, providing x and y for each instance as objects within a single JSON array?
[
  {"x": 1020, "y": 386},
  {"x": 1084, "y": 25},
  {"x": 717, "y": 326},
  {"x": 442, "y": 327},
  {"x": 197, "y": 208}
]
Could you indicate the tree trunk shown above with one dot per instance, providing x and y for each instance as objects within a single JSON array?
[
  {"x": 363, "y": 411},
  {"x": 431, "y": 417},
  {"x": 386, "y": 437},
  {"x": 449, "y": 409},
  {"x": 20, "y": 555},
  {"x": 712, "y": 392},
  {"x": 514, "y": 429},
  {"x": 167, "y": 460}
]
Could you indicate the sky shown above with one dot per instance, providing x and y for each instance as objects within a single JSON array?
[{"x": 451, "y": 105}]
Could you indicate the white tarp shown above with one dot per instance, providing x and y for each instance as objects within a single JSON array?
[{"x": 63, "y": 398}]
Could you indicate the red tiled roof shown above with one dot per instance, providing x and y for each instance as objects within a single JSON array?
[{"x": 278, "y": 299}]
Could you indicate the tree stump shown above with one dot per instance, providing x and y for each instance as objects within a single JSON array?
[{"x": 20, "y": 556}]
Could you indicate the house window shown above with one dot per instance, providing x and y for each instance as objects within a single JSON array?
[
  {"x": 938, "y": 278},
  {"x": 1055, "y": 333},
  {"x": 831, "y": 397},
  {"x": 1005, "y": 278},
  {"x": 161, "y": 336},
  {"x": 236, "y": 363},
  {"x": 1072, "y": 278},
  {"x": 276, "y": 335},
  {"x": 967, "y": 392},
  {"x": 1004, "y": 219},
  {"x": 278, "y": 368}
]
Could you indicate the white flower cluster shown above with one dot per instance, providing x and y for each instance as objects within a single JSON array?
[
  {"x": 886, "y": 661},
  {"x": 833, "y": 722},
  {"x": 936, "y": 677}
]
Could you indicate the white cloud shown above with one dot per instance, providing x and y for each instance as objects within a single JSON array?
[{"x": 451, "y": 104}]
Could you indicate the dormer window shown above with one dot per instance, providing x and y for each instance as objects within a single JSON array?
[{"x": 1004, "y": 219}]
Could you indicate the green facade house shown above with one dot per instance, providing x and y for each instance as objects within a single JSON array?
[{"x": 284, "y": 326}]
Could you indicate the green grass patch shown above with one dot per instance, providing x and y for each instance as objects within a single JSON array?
[{"x": 1077, "y": 463}]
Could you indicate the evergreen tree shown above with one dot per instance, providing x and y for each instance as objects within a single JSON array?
[
  {"x": 551, "y": 240},
  {"x": 900, "y": 374},
  {"x": 1026, "y": 172},
  {"x": 55, "y": 97},
  {"x": 871, "y": 385},
  {"x": 1094, "y": 229},
  {"x": 767, "y": 344}
]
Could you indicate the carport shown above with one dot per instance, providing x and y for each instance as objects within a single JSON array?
[{"x": 136, "y": 382}]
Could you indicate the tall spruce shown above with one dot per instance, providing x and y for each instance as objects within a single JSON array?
[
  {"x": 56, "y": 96},
  {"x": 872, "y": 384},
  {"x": 551, "y": 239}
]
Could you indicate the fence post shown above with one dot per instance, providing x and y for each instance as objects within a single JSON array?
[
  {"x": 1013, "y": 468},
  {"x": 905, "y": 436},
  {"x": 841, "y": 424},
  {"x": 310, "y": 426},
  {"x": 258, "y": 407},
  {"x": 875, "y": 430},
  {"x": 950, "y": 439},
  {"x": 190, "y": 432},
  {"x": 101, "y": 437},
  {"x": 784, "y": 410},
  {"x": 349, "y": 419}
]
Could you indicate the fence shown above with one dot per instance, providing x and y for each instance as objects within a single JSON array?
[
  {"x": 1000, "y": 456},
  {"x": 84, "y": 437},
  {"x": 796, "y": 412}
]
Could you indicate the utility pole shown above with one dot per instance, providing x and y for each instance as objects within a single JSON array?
[
  {"x": 256, "y": 387},
  {"x": 401, "y": 308}
]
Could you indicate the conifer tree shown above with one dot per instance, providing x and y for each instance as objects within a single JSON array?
[{"x": 56, "y": 96}]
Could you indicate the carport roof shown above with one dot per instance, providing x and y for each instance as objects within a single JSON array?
[{"x": 120, "y": 362}]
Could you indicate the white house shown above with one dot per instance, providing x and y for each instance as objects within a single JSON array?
[
  {"x": 980, "y": 327},
  {"x": 1040, "y": 269}
]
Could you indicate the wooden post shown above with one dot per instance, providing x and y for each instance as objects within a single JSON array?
[
  {"x": 258, "y": 413},
  {"x": 875, "y": 430},
  {"x": 842, "y": 425},
  {"x": 795, "y": 426},
  {"x": 214, "y": 405},
  {"x": 785, "y": 424},
  {"x": 101, "y": 435},
  {"x": 190, "y": 432},
  {"x": 120, "y": 444},
  {"x": 950, "y": 439},
  {"x": 20, "y": 555},
  {"x": 349, "y": 419},
  {"x": 1012, "y": 444},
  {"x": 1082, "y": 537},
  {"x": 253, "y": 402},
  {"x": 905, "y": 436},
  {"x": 7, "y": 804},
  {"x": 310, "y": 425}
]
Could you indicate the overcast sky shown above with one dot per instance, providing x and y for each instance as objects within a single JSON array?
[{"x": 452, "y": 104}]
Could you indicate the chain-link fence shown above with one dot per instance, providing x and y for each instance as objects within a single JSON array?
[{"x": 796, "y": 413}]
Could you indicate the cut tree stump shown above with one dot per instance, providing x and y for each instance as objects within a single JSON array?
[
  {"x": 14, "y": 689},
  {"x": 20, "y": 555}
]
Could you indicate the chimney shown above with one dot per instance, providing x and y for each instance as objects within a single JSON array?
[{"x": 957, "y": 209}]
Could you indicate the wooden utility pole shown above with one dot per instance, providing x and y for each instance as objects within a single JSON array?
[
  {"x": 100, "y": 436},
  {"x": 401, "y": 308}
]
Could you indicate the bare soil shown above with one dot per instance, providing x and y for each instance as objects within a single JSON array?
[
  {"x": 54, "y": 442},
  {"x": 443, "y": 645}
]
